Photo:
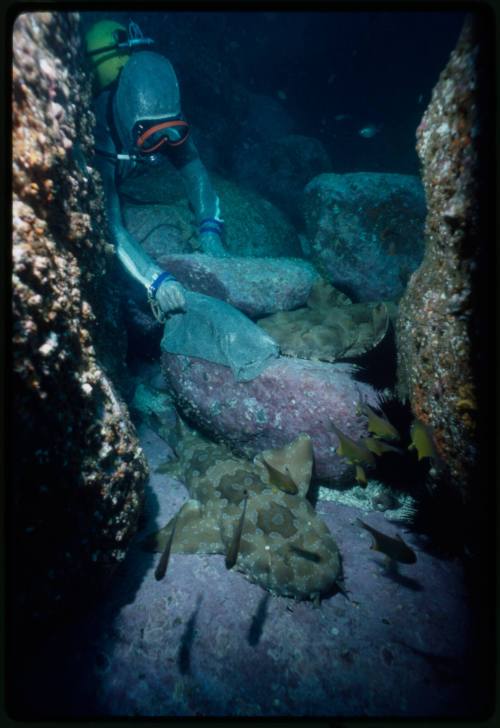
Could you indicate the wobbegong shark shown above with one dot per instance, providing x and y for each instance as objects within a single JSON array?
[{"x": 246, "y": 511}]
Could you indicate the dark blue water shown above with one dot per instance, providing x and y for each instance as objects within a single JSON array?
[{"x": 335, "y": 73}]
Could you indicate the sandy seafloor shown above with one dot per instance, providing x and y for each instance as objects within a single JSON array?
[{"x": 206, "y": 642}]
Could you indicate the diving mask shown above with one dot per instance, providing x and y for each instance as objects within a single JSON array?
[{"x": 151, "y": 135}]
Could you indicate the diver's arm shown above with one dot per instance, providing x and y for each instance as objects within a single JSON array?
[
  {"x": 201, "y": 195},
  {"x": 131, "y": 254},
  {"x": 129, "y": 250},
  {"x": 133, "y": 257}
]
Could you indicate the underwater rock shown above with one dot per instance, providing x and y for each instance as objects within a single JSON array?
[
  {"x": 283, "y": 545},
  {"x": 161, "y": 228},
  {"x": 256, "y": 286},
  {"x": 279, "y": 169},
  {"x": 440, "y": 337},
  {"x": 157, "y": 213},
  {"x": 77, "y": 469},
  {"x": 290, "y": 397},
  {"x": 366, "y": 231},
  {"x": 325, "y": 331}
]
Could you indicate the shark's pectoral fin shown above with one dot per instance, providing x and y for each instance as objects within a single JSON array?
[{"x": 194, "y": 533}]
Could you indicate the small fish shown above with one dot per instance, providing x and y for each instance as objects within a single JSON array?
[
  {"x": 378, "y": 447},
  {"x": 305, "y": 554},
  {"x": 355, "y": 452},
  {"x": 232, "y": 553},
  {"x": 331, "y": 79},
  {"x": 161, "y": 569},
  {"x": 379, "y": 425},
  {"x": 281, "y": 95},
  {"x": 394, "y": 548},
  {"x": 361, "y": 476},
  {"x": 342, "y": 117},
  {"x": 283, "y": 481},
  {"x": 422, "y": 441},
  {"x": 367, "y": 132}
]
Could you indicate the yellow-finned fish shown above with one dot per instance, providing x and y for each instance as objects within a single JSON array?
[
  {"x": 161, "y": 569},
  {"x": 378, "y": 447},
  {"x": 378, "y": 425},
  {"x": 283, "y": 481},
  {"x": 422, "y": 441},
  {"x": 234, "y": 547},
  {"x": 355, "y": 452},
  {"x": 361, "y": 476},
  {"x": 394, "y": 548}
]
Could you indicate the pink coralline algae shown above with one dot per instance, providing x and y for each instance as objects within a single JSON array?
[{"x": 291, "y": 396}]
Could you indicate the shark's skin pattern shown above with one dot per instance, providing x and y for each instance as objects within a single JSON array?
[{"x": 285, "y": 547}]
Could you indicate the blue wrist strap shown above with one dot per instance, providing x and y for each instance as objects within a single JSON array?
[
  {"x": 153, "y": 288},
  {"x": 211, "y": 225}
]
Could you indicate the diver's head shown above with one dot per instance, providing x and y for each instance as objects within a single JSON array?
[{"x": 146, "y": 105}]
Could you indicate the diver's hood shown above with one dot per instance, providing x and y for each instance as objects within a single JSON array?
[{"x": 147, "y": 89}]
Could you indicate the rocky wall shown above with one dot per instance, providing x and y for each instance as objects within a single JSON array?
[
  {"x": 77, "y": 471},
  {"x": 440, "y": 332}
]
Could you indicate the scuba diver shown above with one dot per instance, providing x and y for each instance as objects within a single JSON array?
[{"x": 139, "y": 122}]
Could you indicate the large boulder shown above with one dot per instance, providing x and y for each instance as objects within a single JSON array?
[
  {"x": 77, "y": 470},
  {"x": 366, "y": 231},
  {"x": 289, "y": 397},
  {"x": 256, "y": 286},
  {"x": 440, "y": 333}
]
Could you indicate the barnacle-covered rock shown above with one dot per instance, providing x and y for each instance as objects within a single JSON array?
[
  {"x": 78, "y": 472},
  {"x": 440, "y": 337},
  {"x": 328, "y": 332}
]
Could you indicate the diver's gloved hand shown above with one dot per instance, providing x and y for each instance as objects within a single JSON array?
[
  {"x": 170, "y": 297},
  {"x": 211, "y": 245}
]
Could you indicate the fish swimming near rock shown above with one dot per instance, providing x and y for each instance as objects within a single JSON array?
[
  {"x": 394, "y": 548},
  {"x": 379, "y": 447},
  {"x": 283, "y": 481},
  {"x": 422, "y": 441},
  {"x": 232, "y": 554},
  {"x": 355, "y": 452},
  {"x": 367, "y": 132},
  {"x": 378, "y": 425},
  {"x": 161, "y": 569},
  {"x": 284, "y": 546}
]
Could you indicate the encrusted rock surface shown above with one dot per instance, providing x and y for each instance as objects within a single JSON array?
[
  {"x": 258, "y": 286},
  {"x": 289, "y": 397},
  {"x": 438, "y": 340},
  {"x": 77, "y": 472},
  {"x": 365, "y": 231}
]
